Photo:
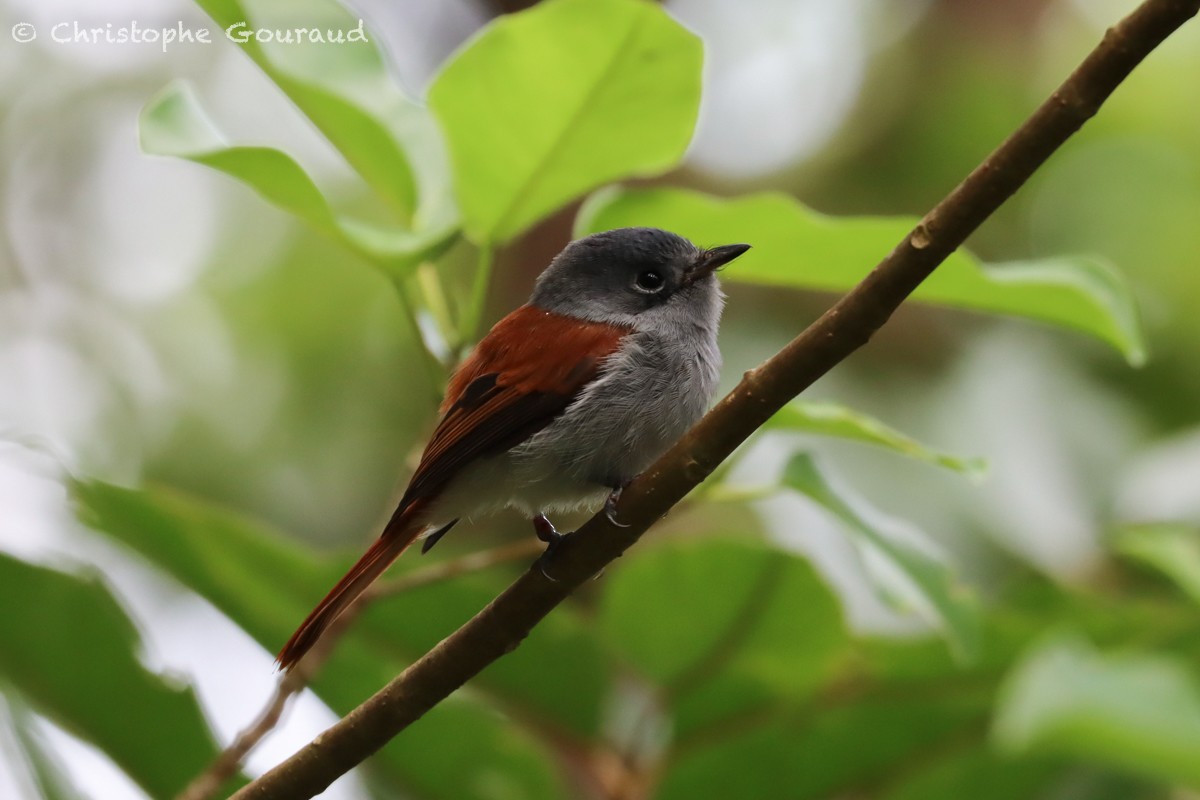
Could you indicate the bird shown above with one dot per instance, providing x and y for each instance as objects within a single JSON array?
[{"x": 564, "y": 401}]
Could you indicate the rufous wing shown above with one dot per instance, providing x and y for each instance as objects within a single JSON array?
[{"x": 522, "y": 375}]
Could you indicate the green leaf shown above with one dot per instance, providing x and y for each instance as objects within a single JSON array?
[
  {"x": 1171, "y": 548},
  {"x": 824, "y": 750},
  {"x": 693, "y": 625},
  {"x": 69, "y": 650},
  {"x": 569, "y": 697},
  {"x": 796, "y": 247},
  {"x": 549, "y": 103},
  {"x": 939, "y": 598},
  {"x": 831, "y": 419},
  {"x": 44, "y": 766},
  {"x": 267, "y": 584},
  {"x": 174, "y": 124},
  {"x": 462, "y": 750},
  {"x": 980, "y": 774},
  {"x": 1134, "y": 711},
  {"x": 772, "y": 632},
  {"x": 343, "y": 88}
]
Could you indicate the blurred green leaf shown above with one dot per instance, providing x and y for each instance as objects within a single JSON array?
[
  {"x": 344, "y": 88},
  {"x": 908, "y": 576},
  {"x": 1138, "y": 712},
  {"x": 463, "y": 750},
  {"x": 267, "y": 584},
  {"x": 902, "y": 721},
  {"x": 836, "y": 748},
  {"x": 1171, "y": 548},
  {"x": 771, "y": 632},
  {"x": 70, "y": 651},
  {"x": 832, "y": 419},
  {"x": 174, "y": 124},
  {"x": 978, "y": 774},
  {"x": 568, "y": 698},
  {"x": 799, "y": 248},
  {"x": 545, "y": 104},
  {"x": 661, "y": 614},
  {"x": 44, "y": 766}
]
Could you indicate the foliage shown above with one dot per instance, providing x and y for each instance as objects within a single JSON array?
[
  {"x": 72, "y": 651},
  {"x": 713, "y": 665}
]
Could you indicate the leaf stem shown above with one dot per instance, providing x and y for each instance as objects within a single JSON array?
[
  {"x": 469, "y": 323},
  {"x": 434, "y": 367},
  {"x": 434, "y": 293}
]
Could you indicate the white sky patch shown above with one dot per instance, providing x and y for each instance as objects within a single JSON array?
[
  {"x": 1163, "y": 484},
  {"x": 780, "y": 76}
]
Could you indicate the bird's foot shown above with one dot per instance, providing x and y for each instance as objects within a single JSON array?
[
  {"x": 610, "y": 506},
  {"x": 546, "y": 531}
]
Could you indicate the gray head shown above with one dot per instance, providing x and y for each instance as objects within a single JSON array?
[{"x": 622, "y": 274}]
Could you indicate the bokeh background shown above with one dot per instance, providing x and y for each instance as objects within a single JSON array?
[{"x": 161, "y": 324}]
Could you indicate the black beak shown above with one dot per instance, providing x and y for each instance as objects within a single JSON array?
[
  {"x": 714, "y": 258},
  {"x": 718, "y": 257}
]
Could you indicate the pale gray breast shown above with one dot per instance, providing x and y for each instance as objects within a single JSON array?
[{"x": 650, "y": 392}]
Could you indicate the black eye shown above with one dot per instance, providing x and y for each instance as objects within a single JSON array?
[{"x": 650, "y": 280}]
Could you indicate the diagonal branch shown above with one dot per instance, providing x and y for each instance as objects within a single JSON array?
[
  {"x": 501, "y": 626},
  {"x": 206, "y": 785}
]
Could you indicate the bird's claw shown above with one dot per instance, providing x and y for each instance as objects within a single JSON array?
[
  {"x": 547, "y": 533},
  {"x": 610, "y": 507}
]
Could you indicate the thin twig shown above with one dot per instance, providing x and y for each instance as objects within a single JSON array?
[
  {"x": 507, "y": 620},
  {"x": 452, "y": 568},
  {"x": 206, "y": 785},
  {"x": 225, "y": 766}
]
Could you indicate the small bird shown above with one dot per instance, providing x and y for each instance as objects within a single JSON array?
[{"x": 564, "y": 401}]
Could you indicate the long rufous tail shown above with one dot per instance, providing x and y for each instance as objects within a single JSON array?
[{"x": 385, "y": 550}]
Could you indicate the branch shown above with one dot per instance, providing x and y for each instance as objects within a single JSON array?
[
  {"x": 291, "y": 683},
  {"x": 501, "y": 626}
]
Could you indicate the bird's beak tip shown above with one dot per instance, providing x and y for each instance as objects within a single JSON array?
[{"x": 717, "y": 257}]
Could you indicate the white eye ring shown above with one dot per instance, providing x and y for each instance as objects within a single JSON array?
[{"x": 649, "y": 281}]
